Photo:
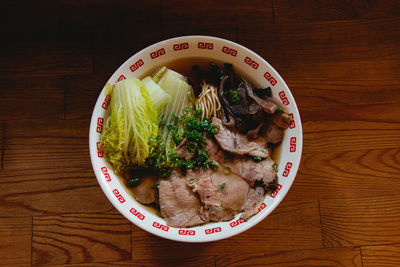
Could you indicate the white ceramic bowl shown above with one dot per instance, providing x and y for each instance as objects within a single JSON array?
[{"x": 247, "y": 63}]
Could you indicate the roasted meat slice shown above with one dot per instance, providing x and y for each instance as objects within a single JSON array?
[
  {"x": 254, "y": 199},
  {"x": 239, "y": 144},
  {"x": 273, "y": 134},
  {"x": 282, "y": 120},
  {"x": 144, "y": 192},
  {"x": 178, "y": 204},
  {"x": 255, "y": 173},
  {"x": 200, "y": 181},
  {"x": 233, "y": 192}
]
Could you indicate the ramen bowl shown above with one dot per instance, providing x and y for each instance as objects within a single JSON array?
[{"x": 245, "y": 62}]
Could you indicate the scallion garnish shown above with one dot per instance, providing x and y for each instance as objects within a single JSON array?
[
  {"x": 189, "y": 126},
  {"x": 133, "y": 182},
  {"x": 257, "y": 159}
]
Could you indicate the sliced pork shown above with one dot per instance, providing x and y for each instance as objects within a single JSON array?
[
  {"x": 268, "y": 106},
  {"x": 239, "y": 144},
  {"x": 144, "y": 192},
  {"x": 223, "y": 194},
  {"x": 201, "y": 183},
  {"x": 233, "y": 191},
  {"x": 282, "y": 120},
  {"x": 273, "y": 134},
  {"x": 253, "y": 172},
  {"x": 178, "y": 204},
  {"x": 254, "y": 199},
  {"x": 199, "y": 196}
]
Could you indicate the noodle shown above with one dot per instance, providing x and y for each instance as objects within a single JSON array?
[{"x": 208, "y": 101}]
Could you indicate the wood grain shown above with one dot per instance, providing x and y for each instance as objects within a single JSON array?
[
  {"x": 55, "y": 56},
  {"x": 80, "y": 239},
  {"x": 344, "y": 83},
  {"x": 1, "y": 145},
  {"x": 15, "y": 236},
  {"x": 90, "y": 15},
  {"x": 293, "y": 225},
  {"x": 322, "y": 42},
  {"x": 29, "y": 18},
  {"x": 206, "y": 260},
  {"x": 347, "y": 174},
  {"x": 50, "y": 191},
  {"x": 31, "y": 98},
  {"x": 342, "y": 136},
  {"x": 44, "y": 144},
  {"x": 194, "y": 261},
  {"x": 45, "y": 164},
  {"x": 216, "y": 13},
  {"x": 313, "y": 10},
  {"x": 376, "y": 113},
  {"x": 341, "y": 61},
  {"x": 110, "y": 53},
  {"x": 325, "y": 72},
  {"x": 314, "y": 257},
  {"x": 361, "y": 221},
  {"x": 81, "y": 93},
  {"x": 383, "y": 255}
]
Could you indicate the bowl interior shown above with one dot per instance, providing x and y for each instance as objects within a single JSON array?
[{"x": 190, "y": 48}]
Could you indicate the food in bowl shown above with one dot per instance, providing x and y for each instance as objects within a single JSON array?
[
  {"x": 180, "y": 54},
  {"x": 197, "y": 147}
]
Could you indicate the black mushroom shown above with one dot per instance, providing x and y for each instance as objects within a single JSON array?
[
  {"x": 268, "y": 106},
  {"x": 246, "y": 109},
  {"x": 227, "y": 115},
  {"x": 237, "y": 104}
]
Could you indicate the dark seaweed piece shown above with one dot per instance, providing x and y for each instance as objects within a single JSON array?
[
  {"x": 233, "y": 81},
  {"x": 227, "y": 114},
  {"x": 195, "y": 79},
  {"x": 263, "y": 93},
  {"x": 214, "y": 74}
]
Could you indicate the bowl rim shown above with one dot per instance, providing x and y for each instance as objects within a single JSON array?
[{"x": 117, "y": 205}]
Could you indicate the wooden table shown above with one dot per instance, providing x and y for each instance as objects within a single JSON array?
[{"x": 341, "y": 60}]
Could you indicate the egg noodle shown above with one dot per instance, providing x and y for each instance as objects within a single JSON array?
[{"x": 208, "y": 101}]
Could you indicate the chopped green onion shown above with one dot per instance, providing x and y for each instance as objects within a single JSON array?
[
  {"x": 198, "y": 112},
  {"x": 278, "y": 109},
  {"x": 233, "y": 94},
  {"x": 171, "y": 127},
  {"x": 133, "y": 182},
  {"x": 190, "y": 126},
  {"x": 213, "y": 165},
  {"x": 257, "y": 159},
  {"x": 165, "y": 172},
  {"x": 222, "y": 186},
  {"x": 155, "y": 186},
  {"x": 174, "y": 117},
  {"x": 176, "y": 139}
]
